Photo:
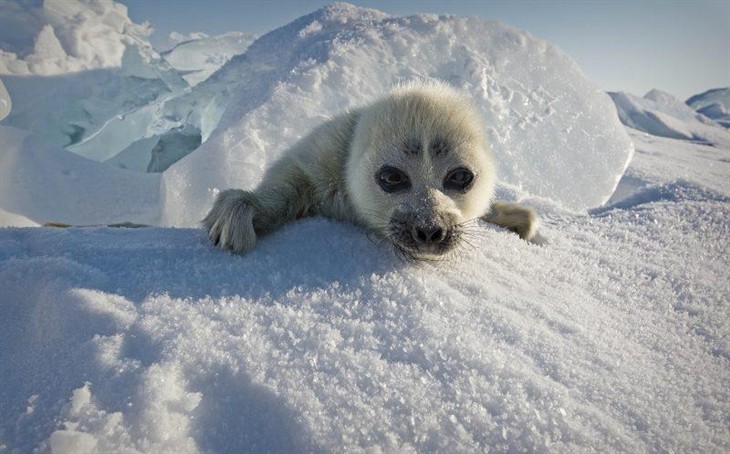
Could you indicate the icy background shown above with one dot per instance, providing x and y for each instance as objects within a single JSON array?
[
  {"x": 296, "y": 77},
  {"x": 612, "y": 336}
]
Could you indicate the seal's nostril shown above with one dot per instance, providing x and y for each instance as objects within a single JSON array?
[
  {"x": 438, "y": 235},
  {"x": 429, "y": 235}
]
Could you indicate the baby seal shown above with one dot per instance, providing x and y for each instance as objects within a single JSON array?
[{"x": 415, "y": 167}]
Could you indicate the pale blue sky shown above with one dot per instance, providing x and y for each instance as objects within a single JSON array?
[{"x": 682, "y": 47}]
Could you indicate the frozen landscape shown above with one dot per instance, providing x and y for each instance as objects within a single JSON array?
[{"x": 612, "y": 336}]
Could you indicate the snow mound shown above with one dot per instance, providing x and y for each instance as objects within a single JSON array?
[
  {"x": 715, "y": 96},
  {"x": 670, "y": 104},
  {"x": 554, "y": 134},
  {"x": 15, "y": 220},
  {"x": 659, "y": 159},
  {"x": 661, "y": 114},
  {"x": 713, "y": 104},
  {"x": 42, "y": 183},
  {"x": 198, "y": 56},
  {"x": 89, "y": 64}
]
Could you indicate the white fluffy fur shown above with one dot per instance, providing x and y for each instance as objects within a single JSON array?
[
  {"x": 332, "y": 172},
  {"x": 424, "y": 112}
]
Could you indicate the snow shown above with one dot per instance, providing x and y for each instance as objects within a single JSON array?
[
  {"x": 16, "y": 220},
  {"x": 714, "y": 104},
  {"x": 554, "y": 133},
  {"x": 551, "y": 129},
  {"x": 175, "y": 38},
  {"x": 612, "y": 336},
  {"x": 41, "y": 183},
  {"x": 719, "y": 96},
  {"x": 6, "y": 104},
  {"x": 665, "y": 159},
  {"x": 89, "y": 64},
  {"x": 57, "y": 37},
  {"x": 661, "y": 114},
  {"x": 69, "y": 110}
]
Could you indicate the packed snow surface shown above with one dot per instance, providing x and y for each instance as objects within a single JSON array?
[{"x": 612, "y": 337}]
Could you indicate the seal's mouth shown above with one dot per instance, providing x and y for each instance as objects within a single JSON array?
[{"x": 428, "y": 241}]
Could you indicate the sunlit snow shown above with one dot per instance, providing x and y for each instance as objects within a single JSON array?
[
  {"x": 661, "y": 114},
  {"x": 57, "y": 37},
  {"x": 555, "y": 134},
  {"x": 713, "y": 104},
  {"x": 612, "y": 336}
]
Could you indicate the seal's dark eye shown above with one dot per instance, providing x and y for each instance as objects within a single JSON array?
[
  {"x": 459, "y": 179},
  {"x": 391, "y": 179}
]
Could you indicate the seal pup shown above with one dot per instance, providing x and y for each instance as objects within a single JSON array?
[{"x": 414, "y": 166}]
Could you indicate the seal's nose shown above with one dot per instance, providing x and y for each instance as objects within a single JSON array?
[{"x": 428, "y": 235}]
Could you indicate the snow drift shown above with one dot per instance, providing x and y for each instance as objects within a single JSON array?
[
  {"x": 44, "y": 183},
  {"x": 713, "y": 104},
  {"x": 661, "y": 114}
]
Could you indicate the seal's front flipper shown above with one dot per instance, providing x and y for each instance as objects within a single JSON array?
[{"x": 515, "y": 217}]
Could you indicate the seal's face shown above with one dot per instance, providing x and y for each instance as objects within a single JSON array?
[{"x": 419, "y": 170}]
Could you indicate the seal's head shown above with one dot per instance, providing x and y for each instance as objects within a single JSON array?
[{"x": 419, "y": 168}]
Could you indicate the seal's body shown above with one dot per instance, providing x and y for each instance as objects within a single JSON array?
[{"x": 414, "y": 166}]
